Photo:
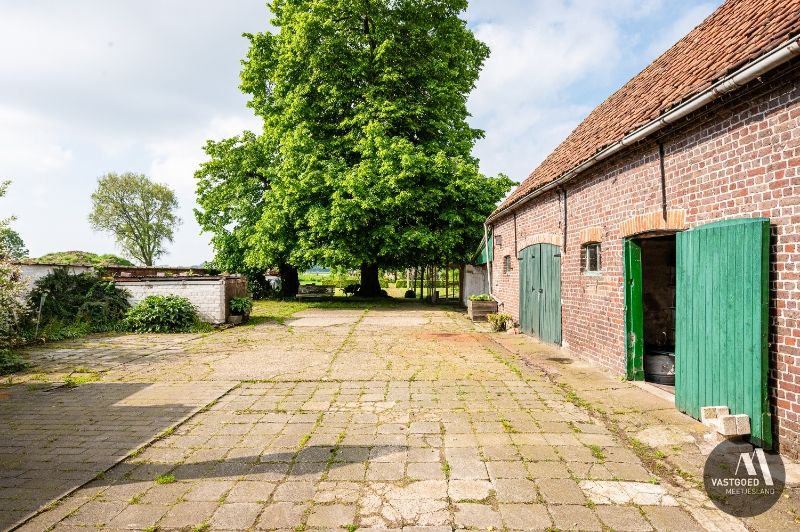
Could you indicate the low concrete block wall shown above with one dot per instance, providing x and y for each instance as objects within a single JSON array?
[{"x": 207, "y": 294}]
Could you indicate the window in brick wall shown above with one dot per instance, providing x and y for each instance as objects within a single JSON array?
[
  {"x": 498, "y": 240},
  {"x": 590, "y": 258},
  {"x": 507, "y": 264}
]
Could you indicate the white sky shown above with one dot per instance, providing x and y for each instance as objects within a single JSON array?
[{"x": 88, "y": 87}]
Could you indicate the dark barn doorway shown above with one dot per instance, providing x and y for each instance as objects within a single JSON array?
[
  {"x": 658, "y": 308},
  {"x": 650, "y": 300}
]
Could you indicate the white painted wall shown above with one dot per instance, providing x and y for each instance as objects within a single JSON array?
[
  {"x": 208, "y": 295},
  {"x": 33, "y": 272},
  {"x": 476, "y": 281}
]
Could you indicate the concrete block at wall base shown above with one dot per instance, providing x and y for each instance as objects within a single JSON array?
[
  {"x": 742, "y": 424},
  {"x": 730, "y": 425},
  {"x": 713, "y": 412}
]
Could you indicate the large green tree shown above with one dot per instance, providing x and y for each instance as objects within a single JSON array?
[
  {"x": 231, "y": 190},
  {"x": 366, "y": 146},
  {"x": 138, "y": 212}
]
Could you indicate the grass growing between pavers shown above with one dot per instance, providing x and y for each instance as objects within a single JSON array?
[{"x": 280, "y": 311}]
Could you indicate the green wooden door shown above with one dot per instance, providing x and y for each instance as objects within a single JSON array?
[
  {"x": 722, "y": 313},
  {"x": 634, "y": 311},
  {"x": 540, "y": 292}
]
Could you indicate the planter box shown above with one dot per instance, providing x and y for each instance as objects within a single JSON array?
[{"x": 477, "y": 310}]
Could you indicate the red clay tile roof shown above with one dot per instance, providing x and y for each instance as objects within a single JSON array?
[{"x": 735, "y": 34}]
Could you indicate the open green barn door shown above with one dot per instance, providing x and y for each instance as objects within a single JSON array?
[
  {"x": 540, "y": 292},
  {"x": 722, "y": 321},
  {"x": 634, "y": 311}
]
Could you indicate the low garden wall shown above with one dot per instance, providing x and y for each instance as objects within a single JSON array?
[
  {"x": 33, "y": 272},
  {"x": 209, "y": 294}
]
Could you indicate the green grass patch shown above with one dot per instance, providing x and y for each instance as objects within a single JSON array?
[
  {"x": 446, "y": 469},
  {"x": 507, "y": 426},
  {"x": 597, "y": 452},
  {"x": 166, "y": 478},
  {"x": 76, "y": 379}
]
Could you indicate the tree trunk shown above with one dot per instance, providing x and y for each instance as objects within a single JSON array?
[
  {"x": 422, "y": 282},
  {"x": 370, "y": 285},
  {"x": 290, "y": 280}
]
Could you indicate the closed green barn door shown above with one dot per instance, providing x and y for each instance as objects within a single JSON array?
[
  {"x": 540, "y": 292},
  {"x": 722, "y": 321}
]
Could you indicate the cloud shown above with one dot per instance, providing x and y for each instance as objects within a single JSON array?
[
  {"x": 88, "y": 87},
  {"x": 27, "y": 144},
  {"x": 552, "y": 61}
]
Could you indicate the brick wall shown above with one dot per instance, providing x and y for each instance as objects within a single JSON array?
[{"x": 739, "y": 159}]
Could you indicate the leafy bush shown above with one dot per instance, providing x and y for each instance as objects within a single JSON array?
[
  {"x": 84, "y": 298},
  {"x": 161, "y": 314},
  {"x": 401, "y": 283},
  {"x": 12, "y": 311},
  {"x": 410, "y": 294},
  {"x": 499, "y": 321},
  {"x": 481, "y": 297},
  {"x": 241, "y": 306},
  {"x": 11, "y": 363}
]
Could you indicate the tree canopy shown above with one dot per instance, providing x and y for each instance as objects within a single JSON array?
[
  {"x": 12, "y": 244},
  {"x": 138, "y": 212},
  {"x": 365, "y": 159}
]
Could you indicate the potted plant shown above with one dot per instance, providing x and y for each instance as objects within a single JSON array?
[
  {"x": 240, "y": 309},
  {"x": 478, "y": 306}
]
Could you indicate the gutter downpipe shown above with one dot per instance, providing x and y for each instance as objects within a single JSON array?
[
  {"x": 489, "y": 253},
  {"x": 772, "y": 59}
]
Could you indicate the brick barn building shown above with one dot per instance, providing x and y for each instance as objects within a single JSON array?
[{"x": 664, "y": 231}]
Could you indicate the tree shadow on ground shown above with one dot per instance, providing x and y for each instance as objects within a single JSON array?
[{"x": 309, "y": 461}]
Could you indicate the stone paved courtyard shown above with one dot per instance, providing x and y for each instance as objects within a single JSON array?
[{"x": 378, "y": 418}]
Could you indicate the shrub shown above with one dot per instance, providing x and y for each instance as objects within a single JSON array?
[
  {"x": 11, "y": 310},
  {"x": 499, "y": 321},
  {"x": 11, "y": 363},
  {"x": 401, "y": 283},
  {"x": 161, "y": 314},
  {"x": 480, "y": 297},
  {"x": 241, "y": 306},
  {"x": 85, "y": 298},
  {"x": 410, "y": 294}
]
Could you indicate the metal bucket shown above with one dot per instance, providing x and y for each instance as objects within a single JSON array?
[{"x": 659, "y": 366}]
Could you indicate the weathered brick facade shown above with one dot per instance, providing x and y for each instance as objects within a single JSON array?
[{"x": 740, "y": 158}]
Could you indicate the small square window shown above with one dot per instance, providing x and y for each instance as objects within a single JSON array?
[
  {"x": 590, "y": 258},
  {"x": 498, "y": 240},
  {"x": 507, "y": 264}
]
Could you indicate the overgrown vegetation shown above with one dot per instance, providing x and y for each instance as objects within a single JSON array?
[
  {"x": 499, "y": 321},
  {"x": 480, "y": 297},
  {"x": 162, "y": 314},
  {"x": 85, "y": 301},
  {"x": 241, "y": 306},
  {"x": 83, "y": 257}
]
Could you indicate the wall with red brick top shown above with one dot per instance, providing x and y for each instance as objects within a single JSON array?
[{"x": 739, "y": 159}]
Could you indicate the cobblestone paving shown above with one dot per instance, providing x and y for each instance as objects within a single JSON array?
[{"x": 380, "y": 419}]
